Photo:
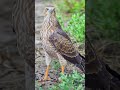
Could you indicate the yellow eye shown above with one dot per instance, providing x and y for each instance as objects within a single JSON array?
[{"x": 47, "y": 9}]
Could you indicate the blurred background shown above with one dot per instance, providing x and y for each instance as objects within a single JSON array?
[
  {"x": 102, "y": 27},
  {"x": 71, "y": 15}
]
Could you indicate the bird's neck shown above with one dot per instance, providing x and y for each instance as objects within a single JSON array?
[{"x": 51, "y": 23}]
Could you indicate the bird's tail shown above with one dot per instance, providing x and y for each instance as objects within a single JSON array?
[
  {"x": 81, "y": 62},
  {"x": 78, "y": 61}
]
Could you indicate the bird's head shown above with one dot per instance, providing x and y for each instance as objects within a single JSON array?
[{"x": 49, "y": 11}]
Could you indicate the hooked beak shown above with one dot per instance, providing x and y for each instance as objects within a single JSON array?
[{"x": 50, "y": 11}]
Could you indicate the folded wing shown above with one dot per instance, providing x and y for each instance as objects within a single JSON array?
[{"x": 64, "y": 46}]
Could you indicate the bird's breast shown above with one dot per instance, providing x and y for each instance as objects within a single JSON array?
[
  {"x": 47, "y": 30},
  {"x": 47, "y": 46}
]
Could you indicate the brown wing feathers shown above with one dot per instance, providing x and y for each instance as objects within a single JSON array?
[{"x": 64, "y": 46}]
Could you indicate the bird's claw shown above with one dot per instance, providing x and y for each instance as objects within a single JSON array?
[{"x": 46, "y": 79}]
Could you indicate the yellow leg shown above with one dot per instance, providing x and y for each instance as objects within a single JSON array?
[
  {"x": 62, "y": 69},
  {"x": 46, "y": 74}
]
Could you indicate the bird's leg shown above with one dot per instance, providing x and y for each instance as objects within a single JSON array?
[
  {"x": 48, "y": 60},
  {"x": 63, "y": 62},
  {"x": 46, "y": 73},
  {"x": 62, "y": 69}
]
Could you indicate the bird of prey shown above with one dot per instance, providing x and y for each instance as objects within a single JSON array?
[{"x": 57, "y": 44}]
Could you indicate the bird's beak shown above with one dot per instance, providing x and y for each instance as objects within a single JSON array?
[{"x": 50, "y": 11}]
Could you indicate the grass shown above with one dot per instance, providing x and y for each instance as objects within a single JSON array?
[
  {"x": 73, "y": 81},
  {"x": 68, "y": 7},
  {"x": 55, "y": 64}
]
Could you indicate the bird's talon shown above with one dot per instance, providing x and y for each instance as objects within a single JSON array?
[{"x": 47, "y": 79}]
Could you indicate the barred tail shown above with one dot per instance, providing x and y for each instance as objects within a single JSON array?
[{"x": 79, "y": 61}]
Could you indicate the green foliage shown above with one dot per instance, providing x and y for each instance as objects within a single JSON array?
[
  {"x": 70, "y": 6},
  {"x": 75, "y": 27},
  {"x": 104, "y": 17},
  {"x": 74, "y": 81},
  {"x": 55, "y": 65},
  {"x": 72, "y": 12},
  {"x": 38, "y": 86}
]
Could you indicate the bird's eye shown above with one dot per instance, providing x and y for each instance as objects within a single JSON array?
[{"x": 47, "y": 9}]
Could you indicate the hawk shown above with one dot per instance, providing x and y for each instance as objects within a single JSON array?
[{"x": 57, "y": 44}]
